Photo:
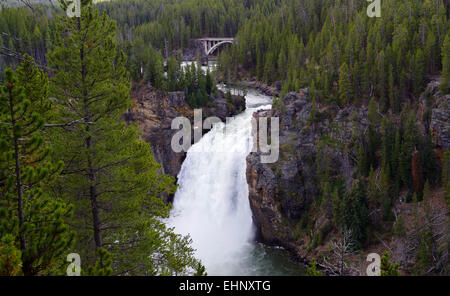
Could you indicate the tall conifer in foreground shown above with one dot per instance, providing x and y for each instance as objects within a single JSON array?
[{"x": 110, "y": 175}]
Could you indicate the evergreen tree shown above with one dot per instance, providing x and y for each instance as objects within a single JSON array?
[
  {"x": 10, "y": 255},
  {"x": 399, "y": 227},
  {"x": 337, "y": 206},
  {"x": 31, "y": 223},
  {"x": 313, "y": 113},
  {"x": 419, "y": 72},
  {"x": 345, "y": 85},
  {"x": 445, "y": 80},
  {"x": 35, "y": 84},
  {"x": 362, "y": 160},
  {"x": 173, "y": 74},
  {"x": 388, "y": 268},
  {"x": 312, "y": 270},
  {"x": 396, "y": 162},
  {"x": 409, "y": 144},
  {"x": 373, "y": 192},
  {"x": 155, "y": 69},
  {"x": 386, "y": 196},
  {"x": 428, "y": 161},
  {"x": 393, "y": 92},
  {"x": 200, "y": 270},
  {"x": 446, "y": 175},
  {"x": 103, "y": 265},
  {"x": 424, "y": 256},
  {"x": 209, "y": 83},
  {"x": 355, "y": 213},
  {"x": 373, "y": 134}
]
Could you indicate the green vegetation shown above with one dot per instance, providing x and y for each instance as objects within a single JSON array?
[
  {"x": 33, "y": 225},
  {"x": 334, "y": 48},
  {"x": 72, "y": 167},
  {"x": 75, "y": 161},
  {"x": 312, "y": 270},
  {"x": 21, "y": 32},
  {"x": 388, "y": 268}
]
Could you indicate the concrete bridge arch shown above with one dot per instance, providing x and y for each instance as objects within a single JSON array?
[{"x": 210, "y": 45}]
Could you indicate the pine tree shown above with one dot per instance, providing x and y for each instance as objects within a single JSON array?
[
  {"x": 345, "y": 85},
  {"x": 103, "y": 265},
  {"x": 155, "y": 69},
  {"x": 382, "y": 81},
  {"x": 395, "y": 162},
  {"x": 355, "y": 212},
  {"x": 312, "y": 270},
  {"x": 337, "y": 206},
  {"x": 10, "y": 256},
  {"x": 373, "y": 134},
  {"x": 386, "y": 196},
  {"x": 111, "y": 175},
  {"x": 31, "y": 222},
  {"x": 428, "y": 161},
  {"x": 372, "y": 190},
  {"x": 446, "y": 175},
  {"x": 419, "y": 72},
  {"x": 393, "y": 92},
  {"x": 362, "y": 160},
  {"x": 200, "y": 270},
  {"x": 399, "y": 227},
  {"x": 35, "y": 84},
  {"x": 173, "y": 74},
  {"x": 408, "y": 146},
  {"x": 387, "y": 144},
  {"x": 424, "y": 256},
  {"x": 313, "y": 113},
  {"x": 388, "y": 268},
  {"x": 445, "y": 80}
]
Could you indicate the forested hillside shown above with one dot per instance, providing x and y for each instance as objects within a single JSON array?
[
  {"x": 22, "y": 32},
  {"x": 336, "y": 49}
]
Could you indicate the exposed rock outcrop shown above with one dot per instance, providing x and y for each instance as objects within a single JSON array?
[
  {"x": 268, "y": 90},
  {"x": 440, "y": 116},
  {"x": 154, "y": 111},
  {"x": 280, "y": 193}
]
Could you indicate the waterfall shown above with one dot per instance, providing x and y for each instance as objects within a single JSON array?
[{"x": 211, "y": 203}]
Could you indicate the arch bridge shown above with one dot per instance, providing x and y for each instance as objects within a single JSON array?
[{"x": 212, "y": 44}]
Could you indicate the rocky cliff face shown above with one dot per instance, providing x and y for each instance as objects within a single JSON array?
[
  {"x": 154, "y": 111},
  {"x": 280, "y": 193},
  {"x": 440, "y": 116},
  {"x": 270, "y": 90}
]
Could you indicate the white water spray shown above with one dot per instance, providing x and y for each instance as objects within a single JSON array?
[{"x": 211, "y": 204}]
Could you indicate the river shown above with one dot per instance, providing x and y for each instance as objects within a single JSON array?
[{"x": 211, "y": 204}]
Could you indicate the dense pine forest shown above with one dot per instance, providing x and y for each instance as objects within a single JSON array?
[{"x": 76, "y": 176}]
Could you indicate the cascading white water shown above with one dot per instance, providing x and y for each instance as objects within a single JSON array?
[{"x": 211, "y": 204}]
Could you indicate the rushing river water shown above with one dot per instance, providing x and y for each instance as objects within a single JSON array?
[{"x": 212, "y": 206}]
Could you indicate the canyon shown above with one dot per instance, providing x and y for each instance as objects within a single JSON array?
[{"x": 281, "y": 193}]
